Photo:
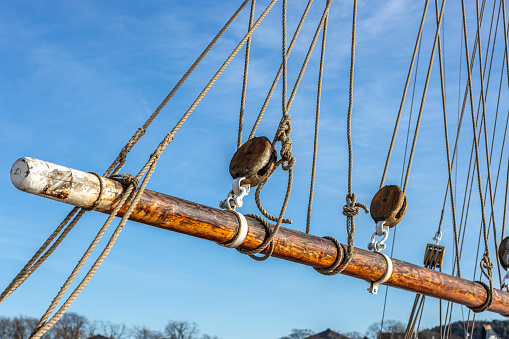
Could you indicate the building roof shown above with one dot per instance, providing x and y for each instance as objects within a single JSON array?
[{"x": 327, "y": 334}]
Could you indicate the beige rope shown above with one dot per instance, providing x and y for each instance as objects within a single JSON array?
[
  {"x": 244, "y": 80},
  {"x": 486, "y": 259},
  {"x": 317, "y": 123},
  {"x": 276, "y": 79},
  {"x": 449, "y": 166},
  {"x": 148, "y": 168},
  {"x": 119, "y": 162},
  {"x": 37, "y": 259},
  {"x": 396, "y": 125}
]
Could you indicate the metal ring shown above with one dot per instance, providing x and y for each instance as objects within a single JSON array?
[{"x": 240, "y": 234}]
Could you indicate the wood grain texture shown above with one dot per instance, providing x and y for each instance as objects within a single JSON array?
[{"x": 167, "y": 212}]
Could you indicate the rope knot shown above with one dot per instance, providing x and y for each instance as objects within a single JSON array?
[
  {"x": 126, "y": 180},
  {"x": 283, "y": 135},
  {"x": 352, "y": 208}
]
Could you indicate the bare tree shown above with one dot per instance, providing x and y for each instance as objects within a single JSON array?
[
  {"x": 389, "y": 326},
  {"x": 70, "y": 326},
  {"x": 4, "y": 327},
  {"x": 181, "y": 330},
  {"x": 145, "y": 333},
  {"x": 108, "y": 329},
  {"x": 206, "y": 336},
  {"x": 298, "y": 334}
]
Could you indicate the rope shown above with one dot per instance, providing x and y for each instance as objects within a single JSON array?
[
  {"x": 148, "y": 168},
  {"x": 414, "y": 142},
  {"x": 317, "y": 124},
  {"x": 278, "y": 75},
  {"x": 333, "y": 269},
  {"x": 449, "y": 166},
  {"x": 244, "y": 81},
  {"x": 117, "y": 164},
  {"x": 282, "y": 135},
  {"x": 396, "y": 125},
  {"x": 37, "y": 259},
  {"x": 486, "y": 268}
]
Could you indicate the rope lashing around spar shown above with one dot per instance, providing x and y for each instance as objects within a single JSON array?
[
  {"x": 99, "y": 196},
  {"x": 350, "y": 210},
  {"x": 486, "y": 268}
]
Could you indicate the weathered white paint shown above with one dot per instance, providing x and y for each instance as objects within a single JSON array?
[{"x": 63, "y": 184}]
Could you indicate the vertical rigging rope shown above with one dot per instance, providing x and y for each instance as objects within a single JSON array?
[
  {"x": 317, "y": 123},
  {"x": 244, "y": 79}
]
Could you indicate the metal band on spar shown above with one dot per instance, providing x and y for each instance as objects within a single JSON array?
[{"x": 160, "y": 210}]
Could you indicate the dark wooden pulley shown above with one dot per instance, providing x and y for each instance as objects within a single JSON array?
[
  {"x": 389, "y": 205},
  {"x": 503, "y": 253},
  {"x": 254, "y": 160}
]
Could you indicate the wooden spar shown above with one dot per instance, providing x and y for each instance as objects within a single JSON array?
[{"x": 160, "y": 210}]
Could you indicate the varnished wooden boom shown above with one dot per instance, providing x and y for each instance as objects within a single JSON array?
[{"x": 167, "y": 212}]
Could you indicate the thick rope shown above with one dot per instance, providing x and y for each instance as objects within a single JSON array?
[
  {"x": 414, "y": 142},
  {"x": 317, "y": 124},
  {"x": 284, "y": 129},
  {"x": 244, "y": 81},
  {"x": 148, "y": 168},
  {"x": 449, "y": 162},
  {"x": 487, "y": 267},
  {"x": 117, "y": 164},
  {"x": 396, "y": 125},
  {"x": 37, "y": 259},
  {"x": 278, "y": 75},
  {"x": 333, "y": 269}
]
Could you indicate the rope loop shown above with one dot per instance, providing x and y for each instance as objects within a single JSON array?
[
  {"x": 99, "y": 197},
  {"x": 126, "y": 180},
  {"x": 487, "y": 302},
  {"x": 486, "y": 268},
  {"x": 351, "y": 209},
  {"x": 333, "y": 269}
]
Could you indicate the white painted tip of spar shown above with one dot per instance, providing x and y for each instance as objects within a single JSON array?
[
  {"x": 61, "y": 183},
  {"x": 21, "y": 176}
]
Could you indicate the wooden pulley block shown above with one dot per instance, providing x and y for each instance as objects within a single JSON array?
[
  {"x": 389, "y": 205},
  {"x": 434, "y": 256},
  {"x": 254, "y": 160},
  {"x": 503, "y": 253}
]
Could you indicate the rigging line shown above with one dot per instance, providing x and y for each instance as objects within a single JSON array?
[
  {"x": 37, "y": 259},
  {"x": 276, "y": 79},
  {"x": 244, "y": 80},
  {"x": 317, "y": 123},
  {"x": 308, "y": 55},
  {"x": 465, "y": 96},
  {"x": 120, "y": 160},
  {"x": 483, "y": 99},
  {"x": 118, "y": 163},
  {"x": 505, "y": 42},
  {"x": 449, "y": 169},
  {"x": 285, "y": 122},
  {"x": 387, "y": 287},
  {"x": 410, "y": 115},
  {"x": 396, "y": 126},
  {"x": 150, "y": 167},
  {"x": 285, "y": 79},
  {"x": 410, "y": 158},
  {"x": 350, "y": 102}
]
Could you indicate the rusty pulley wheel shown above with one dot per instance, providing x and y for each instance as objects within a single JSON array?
[
  {"x": 503, "y": 253},
  {"x": 254, "y": 160},
  {"x": 389, "y": 205}
]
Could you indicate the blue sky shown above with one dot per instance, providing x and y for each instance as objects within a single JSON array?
[{"x": 80, "y": 77}]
